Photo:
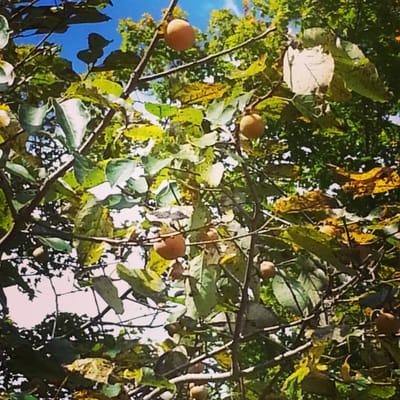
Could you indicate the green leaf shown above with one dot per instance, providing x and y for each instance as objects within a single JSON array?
[
  {"x": 290, "y": 294},
  {"x": 20, "y": 171},
  {"x": 255, "y": 68},
  {"x": 213, "y": 175},
  {"x": 118, "y": 171},
  {"x": 108, "y": 87},
  {"x": 318, "y": 36},
  {"x": 358, "y": 73},
  {"x": 148, "y": 377},
  {"x": 161, "y": 110},
  {"x": 92, "y": 220},
  {"x": 167, "y": 193},
  {"x": 138, "y": 185},
  {"x": 31, "y": 118},
  {"x": 142, "y": 133},
  {"x": 201, "y": 286},
  {"x": 111, "y": 390},
  {"x": 73, "y": 118},
  {"x": 380, "y": 392},
  {"x": 4, "y": 32},
  {"x": 207, "y": 140},
  {"x": 313, "y": 283},
  {"x": 154, "y": 165},
  {"x": 87, "y": 173},
  {"x": 56, "y": 244},
  {"x": 109, "y": 293},
  {"x": 143, "y": 282},
  {"x": 315, "y": 242}
]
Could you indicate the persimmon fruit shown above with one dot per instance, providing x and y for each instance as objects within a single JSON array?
[
  {"x": 267, "y": 270},
  {"x": 171, "y": 247},
  {"x": 179, "y": 35},
  {"x": 40, "y": 254},
  {"x": 199, "y": 392},
  {"x": 252, "y": 126}
]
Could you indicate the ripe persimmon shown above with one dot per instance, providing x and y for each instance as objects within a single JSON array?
[
  {"x": 267, "y": 269},
  {"x": 171, "y": 247},
  {"x": 252, "y": 126},
  {"x": 179, "y": 35}
]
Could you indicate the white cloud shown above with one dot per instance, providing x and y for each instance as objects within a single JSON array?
[{"x": 231, "y": 4}]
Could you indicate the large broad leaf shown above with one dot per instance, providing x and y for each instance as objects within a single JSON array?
[
  {"x": 161, "y": 110},
  {"x": 167, "y": 193},
  {"x": 304, "y": 71},
  {"x": 190, "y": 115},
  {"x": 213, "y": 175},
  {"x": 358, "y": 72},
  {"x": 106, "y": 86},
  {"x": 199, "y": 92},
  {"x": 147, "y": 377},
  {"x": 109, "y": 293},
  {"x": 154, "y": 165},
  {"x": 290, "y": 294},
  {"x": 143, "y": 282},
  {"x": 56, "y": 244},
  {"x": 316, "y": 243},
  {"x": 31, "y": 118},
  {"x": 7, "y": 76},
  {"x": 87, "y": 173},
  {"x": 4, "y": 32},
  {"x": 20, "y": 171},
  {"x": 92, "y": 220},
  {"x": 95, "y": 369},
  {"x": 202, "y": 287},
  {"x": 312, "y": 37},
  {"x": 254, "y": 69},
  {"x": 73, "y": 118},
  {"x": 118, "y": 171},
  {"x": 313, "y": 282}
]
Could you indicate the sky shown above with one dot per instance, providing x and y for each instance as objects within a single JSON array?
[
  {"x": 28, "y": 313},
  {"x": 76, "y": 37}
]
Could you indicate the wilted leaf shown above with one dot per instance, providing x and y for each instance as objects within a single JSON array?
[
  {"x": 95, "y": 369},
  {"x": 92, "y": 220},
  {"x": 309, "y": 201},
  {"x": 109, "y": 293},
  {"x": 306, "y": 70},
  {"x": 374, "y": 181}
]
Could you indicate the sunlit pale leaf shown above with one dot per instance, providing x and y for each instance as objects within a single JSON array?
[{"x": 95, "y": 369}]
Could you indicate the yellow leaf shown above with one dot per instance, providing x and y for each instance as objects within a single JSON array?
[
  {"x": 95, "y": 369},
  {"x": 377, "y": 180},
  {"x": 145, "y": 132},
  {"x": 310, "y": 201},
  {"x": 224, "y": 359},
  {"x": 200, "y": 93}
]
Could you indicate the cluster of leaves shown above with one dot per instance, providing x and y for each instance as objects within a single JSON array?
[{"x": 317, "y": 195}]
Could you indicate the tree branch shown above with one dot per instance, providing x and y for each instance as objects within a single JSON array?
[{"x": 207, "y": 59}]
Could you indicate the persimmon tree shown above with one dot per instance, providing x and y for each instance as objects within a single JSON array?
[{"x": 262, "y": 180}]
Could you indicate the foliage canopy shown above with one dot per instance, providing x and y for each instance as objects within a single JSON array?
[{"x": 89, "y": 178}]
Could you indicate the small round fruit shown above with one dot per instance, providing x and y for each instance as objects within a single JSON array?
[
  {"x": 176, "y": 271},
  {"x": 387, "y": 323},
  {"x": 199, "y": 392},
  {"x": 197, "y": 368},
  {"x": 252, "y": 126},
  {"x": 179, "y": 35},
  {"x": 40, "y": 254},
  {"x": 267, "y": 270},
  {"x": 171, "y": 247}
]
